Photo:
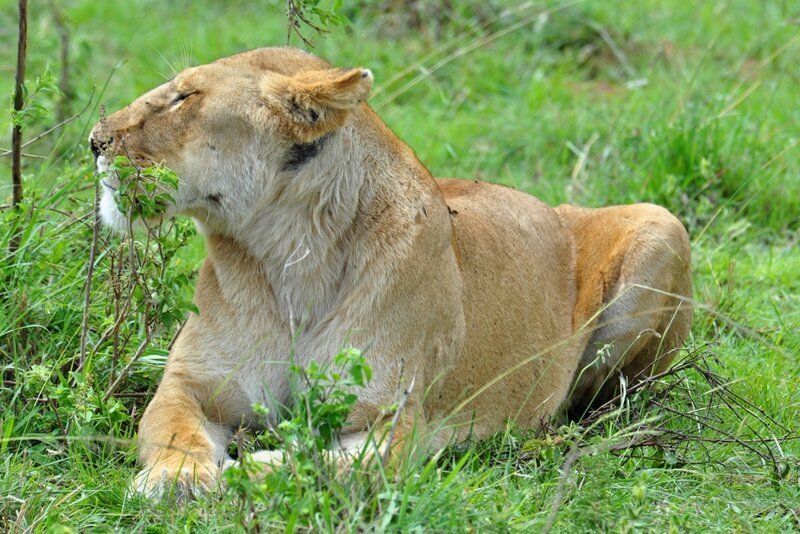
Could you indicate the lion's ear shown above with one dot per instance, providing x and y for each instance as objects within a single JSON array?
[{"x": 317, "y": 101}]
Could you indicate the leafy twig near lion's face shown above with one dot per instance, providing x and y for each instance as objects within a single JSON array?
[
  {"x": 300, "y": 12},
  {"x": 144, "y": 192},
  {"x": 150, "y": 287}
]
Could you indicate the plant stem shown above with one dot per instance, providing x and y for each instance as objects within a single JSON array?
[
  {"x": 87, "y": 296},
  {"x": 139, "y": 351},
  {"x": 16, "y": 134}
]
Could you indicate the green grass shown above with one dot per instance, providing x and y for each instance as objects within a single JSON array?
[{"x": 692, "y": 105}]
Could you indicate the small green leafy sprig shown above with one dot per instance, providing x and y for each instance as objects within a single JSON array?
[
  {"x": 38, "y": 96},
  {"x": 327, "y": 397},
  {"x": 143, "y": 192},
  {"x": 301, "y": 12},
  {"x": 323, "y": 399}
]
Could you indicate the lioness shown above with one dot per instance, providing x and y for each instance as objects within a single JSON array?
[{"x": 321, "y": 225}]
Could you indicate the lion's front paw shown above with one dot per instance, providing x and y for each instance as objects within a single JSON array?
[{"x": 182, "y": 482}]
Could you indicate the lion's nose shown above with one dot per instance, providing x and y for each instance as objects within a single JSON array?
[{"x": 99, "y": 145}]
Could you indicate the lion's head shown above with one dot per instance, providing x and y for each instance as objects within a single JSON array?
[{"x": 229, "y": 130}]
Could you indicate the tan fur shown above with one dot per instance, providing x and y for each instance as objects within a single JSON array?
[{"x": 491, "y": 303}]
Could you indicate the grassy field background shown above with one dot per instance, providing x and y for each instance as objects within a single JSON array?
[{"x": 689, "y": 104}]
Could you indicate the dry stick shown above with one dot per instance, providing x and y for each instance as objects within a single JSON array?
[
  {"x": 706, "y": 424},
  {"x": 114, "y": 329},
  {"x": 110, "y": 331},
  {"x": 59, "y": 422},
  {"x": 609, "y": 405},
  {"x": 764, "y": 441},
  {"x": 119, "y": 313},
  {"x": 139, "y": 351},
  {"x": 16, "y": 134},
  {"x": 87, "y": 296}
]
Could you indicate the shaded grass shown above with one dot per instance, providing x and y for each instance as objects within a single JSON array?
[{"x": 696, "y": 110}]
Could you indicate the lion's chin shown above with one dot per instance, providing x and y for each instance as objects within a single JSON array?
[
  {"x": 117, "y": 221},
  {"x": 109, "y": 212}
]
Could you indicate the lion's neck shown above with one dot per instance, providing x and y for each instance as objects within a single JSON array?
[
  {"x": 353, "y": 207},
  {"x": 303, "y": 231}
]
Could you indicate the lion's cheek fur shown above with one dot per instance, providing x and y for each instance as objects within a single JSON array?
[{"x": 109, "y": 211}]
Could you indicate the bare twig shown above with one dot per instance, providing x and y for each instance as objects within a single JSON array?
[
  {"x": 19, "y": 102},
  {"x": 24, "y": 155},
  {"x": 604, "y": 409},
  {"x": 396, "y": 420},
  {"x": 177, "y": 333},
  {"x": 59, "y": 422},
  {"x": 89, "y": 274},
  {"x": 295, "y": 13},
  {"x": 139, "y": 351},
  {"x": 706, "y": 417}
]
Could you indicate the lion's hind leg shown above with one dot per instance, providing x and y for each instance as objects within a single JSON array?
[{"x": 634, "y": 280}]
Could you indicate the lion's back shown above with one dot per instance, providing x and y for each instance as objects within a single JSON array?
[{"x": 517, "y": 262}]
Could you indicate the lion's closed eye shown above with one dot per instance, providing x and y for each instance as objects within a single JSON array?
[{"x": 182, "y": 97}]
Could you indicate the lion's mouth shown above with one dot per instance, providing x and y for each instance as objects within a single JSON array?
[{"x": 107, "y": 178}]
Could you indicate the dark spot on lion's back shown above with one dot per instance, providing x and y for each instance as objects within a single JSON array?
[
  {"x": 211, "y": 147},
  {"x": 216, "y": 197}
]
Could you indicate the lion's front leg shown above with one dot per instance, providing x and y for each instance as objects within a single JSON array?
[{"x": 178, "y": 447}]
